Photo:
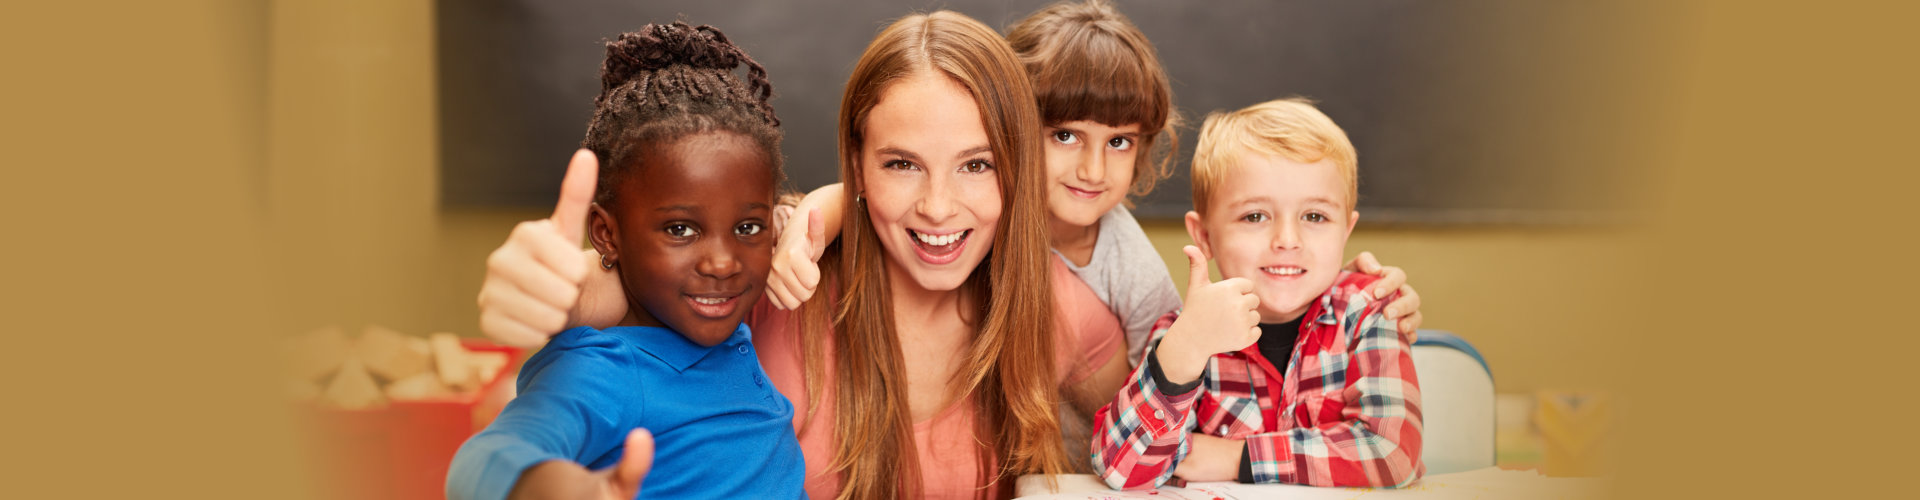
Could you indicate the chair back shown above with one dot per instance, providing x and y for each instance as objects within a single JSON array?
[{"x": 1457, "y": 403}]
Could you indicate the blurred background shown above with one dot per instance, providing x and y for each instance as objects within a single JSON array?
[{"x": 1705, "y": 218}]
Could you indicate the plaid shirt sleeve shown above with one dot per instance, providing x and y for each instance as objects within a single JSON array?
[
  {"x": 1140, "y": 436},
  {"x": 1367, "y": 432}
]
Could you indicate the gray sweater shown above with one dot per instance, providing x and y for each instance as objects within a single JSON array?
[{"x": 1128, "y": 275}]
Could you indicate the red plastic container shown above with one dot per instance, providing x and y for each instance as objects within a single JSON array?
[{"x": 402, "y": 451}]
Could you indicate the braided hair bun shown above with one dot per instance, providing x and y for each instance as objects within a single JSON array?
[
  {"x": 668, "y": 81},
  {"x": 660, "y": 46}
]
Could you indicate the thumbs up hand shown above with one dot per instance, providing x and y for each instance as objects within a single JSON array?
[
  {"x": 1218, "y": 317},
  {"x": 533, "y": 281},
  {"x": 559, "y": 478},
  {"x": 796, "y": 268},
  {"x": 623, "y": 479}
]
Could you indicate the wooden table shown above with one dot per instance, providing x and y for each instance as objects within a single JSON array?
[{"x": 1491, "y": 482}]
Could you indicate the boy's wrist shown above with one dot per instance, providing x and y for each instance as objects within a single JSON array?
[
  {"x": 1178, "y": 361},
  {"x": 553, "y": 479}
]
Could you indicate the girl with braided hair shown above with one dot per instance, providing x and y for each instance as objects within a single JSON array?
[{"x": 686, "y": 157}]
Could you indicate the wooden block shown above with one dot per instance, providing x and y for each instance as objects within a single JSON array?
[
  {"x": 486, "y": 364},
  {"x": 391, "y": 355},
  {"x": 314, "y": 355},
  {"x": 353, "y": 388},
  {"x": 1575, "y": 429},
  {"x": 420, "y": 386},
  {"x": 450, "y": 360}
]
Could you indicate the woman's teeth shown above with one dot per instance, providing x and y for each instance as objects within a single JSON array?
[
  {"x": 1284, "y": 270},
  {"x": 941, "y": 240}
]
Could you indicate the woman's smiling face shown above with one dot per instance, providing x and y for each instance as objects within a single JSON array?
[{"x": 929, "y": 179}]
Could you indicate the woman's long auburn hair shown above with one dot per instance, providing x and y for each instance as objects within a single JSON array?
[{"x": 1009, "y": 368}]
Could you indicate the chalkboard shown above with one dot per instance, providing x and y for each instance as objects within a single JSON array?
[{"x": 1474, "y": 112}]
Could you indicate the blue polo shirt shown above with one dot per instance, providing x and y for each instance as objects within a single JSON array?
[{"x": 720, "y": 429}]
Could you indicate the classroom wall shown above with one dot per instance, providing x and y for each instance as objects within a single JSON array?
[{"x": 362, "y": 238}]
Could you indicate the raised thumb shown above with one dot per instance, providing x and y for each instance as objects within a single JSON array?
[
  {"x": 637, "y": 459},
  {"x": 576, "y": 195},
  {"x": 816, "y": 233},
  {"x": 1196, "y": 268}
]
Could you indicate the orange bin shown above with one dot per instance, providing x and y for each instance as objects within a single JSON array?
[{"x": 402, "y": 451}]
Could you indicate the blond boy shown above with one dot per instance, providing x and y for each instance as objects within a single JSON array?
[{"x": 1286, "y": 371}]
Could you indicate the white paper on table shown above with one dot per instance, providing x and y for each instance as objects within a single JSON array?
[{"x": 1490, "y": 482}]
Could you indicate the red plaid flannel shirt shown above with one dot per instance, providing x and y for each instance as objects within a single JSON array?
[{"x": 1346, "y": 413}]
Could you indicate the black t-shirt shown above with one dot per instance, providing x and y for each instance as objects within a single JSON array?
[{"x": 1276, "y": 342}]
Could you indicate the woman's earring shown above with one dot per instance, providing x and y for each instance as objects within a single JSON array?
[{"x": 606, "y": 263}]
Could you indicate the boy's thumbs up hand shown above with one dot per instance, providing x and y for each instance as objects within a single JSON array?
[
  {"x": 796, "y": 268},
  {"x": 533, "y": 281},
  {"x": 1218, "y": 317}
]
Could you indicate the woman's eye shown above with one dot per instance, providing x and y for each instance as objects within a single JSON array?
[
  {"x": 1254, "y": 217},
  {"x": 680, "y": 231},
  {"x": 1065, "y": 137},
  {"x": 976, "y": 166},
  {"x": 897, "y": 165},
  {"x": 748, "y": 229},
  {"x": 1314, "y": 217},
  {"x": 1120, "y": 143}
]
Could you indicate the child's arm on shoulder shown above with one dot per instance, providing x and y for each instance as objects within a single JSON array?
[
  {"x": 816, "y": 223},
  {"x": 1404, "y": 311},
  {"x": 570, "y": 408},
  {"x": 1374, "y": 441}
]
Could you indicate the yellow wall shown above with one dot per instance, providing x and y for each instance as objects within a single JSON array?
[
  {"x": 353, "y": 196},
  {"x": 352, "y": 166}
]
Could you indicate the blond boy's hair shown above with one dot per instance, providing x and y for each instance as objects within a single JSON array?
[{"x": 1290, "y": 128}]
